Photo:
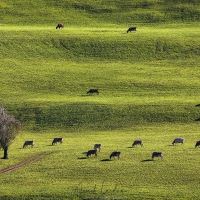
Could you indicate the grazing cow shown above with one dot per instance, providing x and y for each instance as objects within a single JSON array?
[
  {"x": 157, "y": 154},
  {"x": 56, "y": 140},
  {"x": 131, "y": 29},
  {"x": 115, "y": 154},
  {"x": 28, "y": 143},
  {"x": 197, "y": 144},
  {"x": 92, "y": 152},
  {"x": 97, "y": 146},
  {"x": 60, "y": 26},
  {"x": 92, "y": 91},
  {"x": 178, "y": 140},
  {"x": 137, "y": 142}
]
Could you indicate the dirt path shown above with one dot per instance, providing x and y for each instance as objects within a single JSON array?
[{"x": 25, "y": 162}]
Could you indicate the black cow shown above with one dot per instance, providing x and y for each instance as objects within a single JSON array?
[
  {"x": 60, "y": 26},
  {"x": 137, "y": 142},
  {"x": 132, "y": 29},
  {"x": 92, "y": 91},
  {"x": 197, "y": 144},
  {"x": 97, "y": 146},
  {"x": 115, "y": 154},
  {"x": 157, "y": 154},
  {"x": 28, "y": 143},
  {"x": 92, "y": 152},
  {"x": 56, "y": 140},
  {"x": 178, "y": 140}
]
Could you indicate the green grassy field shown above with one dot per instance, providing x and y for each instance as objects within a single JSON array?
[{"x": 149, "y": 89}]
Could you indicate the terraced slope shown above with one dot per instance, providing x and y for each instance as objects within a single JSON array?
[{"x": 148, "y": 84}]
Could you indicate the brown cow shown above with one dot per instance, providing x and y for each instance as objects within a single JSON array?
[{"x": 60, "y": 26}]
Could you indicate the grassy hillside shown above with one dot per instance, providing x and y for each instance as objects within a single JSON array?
[
  {"x": 98, "y": 13},
  {"x": 149, "y": 89},
  {"x": 139, "y": 75}
]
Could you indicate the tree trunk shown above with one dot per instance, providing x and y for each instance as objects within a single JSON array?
[{"x": 5, "y": 155}]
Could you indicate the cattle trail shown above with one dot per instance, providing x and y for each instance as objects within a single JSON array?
[{"x": 25, "y": 162}]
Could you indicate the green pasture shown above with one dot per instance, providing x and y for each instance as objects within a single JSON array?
[
  {"x": 145, "y": 93},
  {"x": 68, "y": 174},
  {"x": 148, "y": 85},
  {"x": 99, "y": 12}
]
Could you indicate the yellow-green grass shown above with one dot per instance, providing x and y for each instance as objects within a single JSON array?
[
  {"x": 52, "y": 60},
  {"x": 149, "y": 89},
  {"x": 87, "y": 13},
  {"x": 68, "y": 173},
  {"x": 149, "y": 76}
]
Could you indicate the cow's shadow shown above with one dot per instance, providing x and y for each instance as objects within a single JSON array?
[
  {"x": 84, "y": 95},
  {"x": 147, "y": 160},
  {"x": 106, "y": 160},
  {"x": 88, "y": 95},
  {"x": 28, "y": 147},
  {"x": 82, "y": 158}
]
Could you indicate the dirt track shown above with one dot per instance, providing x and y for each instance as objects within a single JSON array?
[{"x": 25, "y": 162}]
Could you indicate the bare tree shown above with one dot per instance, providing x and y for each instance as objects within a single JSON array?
[{"x": 9, "y": 128}]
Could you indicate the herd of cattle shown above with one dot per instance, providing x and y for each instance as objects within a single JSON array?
[
  {"x": 97, "y": 147},
  {"x": 135, "y": 143}
]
